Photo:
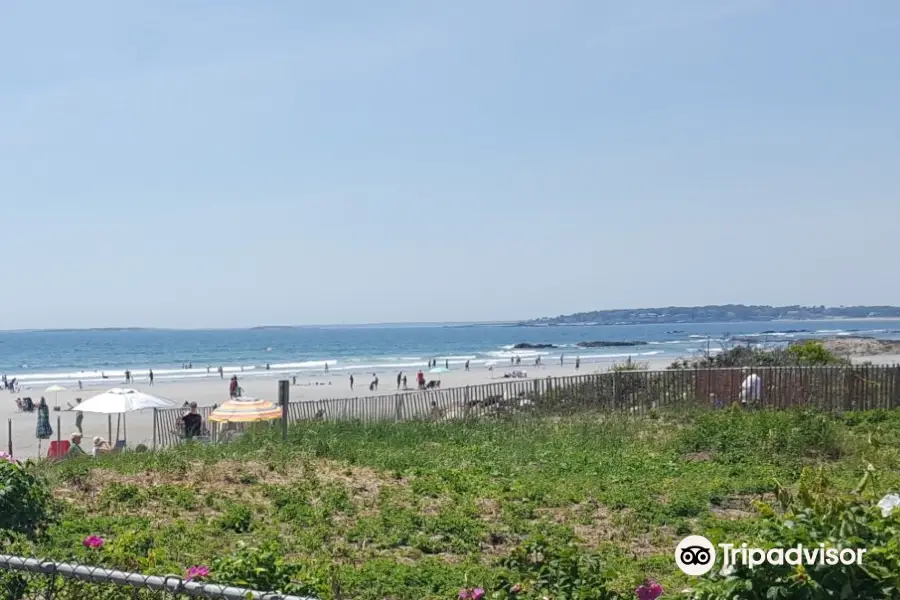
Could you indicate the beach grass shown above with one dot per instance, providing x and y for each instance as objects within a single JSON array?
[{"x": 419, "y": 510}]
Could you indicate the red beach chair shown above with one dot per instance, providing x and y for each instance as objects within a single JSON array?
[{"x": 58, "y": 449}]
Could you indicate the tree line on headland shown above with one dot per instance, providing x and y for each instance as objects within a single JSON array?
[{"x": 723, "y": 313}]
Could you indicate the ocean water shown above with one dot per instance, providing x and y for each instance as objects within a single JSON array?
[{"x": 46, "y": 357}]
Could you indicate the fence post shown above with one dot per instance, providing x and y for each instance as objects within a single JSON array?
[
  {"x": 9, "y": 435},
  {"x": 155, "y": 421},
  {"x": 284, "y": 394},
  {"x": 109, "y": 426}
]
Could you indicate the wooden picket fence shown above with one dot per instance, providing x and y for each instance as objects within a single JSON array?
[{"x": 826, "y": 388}]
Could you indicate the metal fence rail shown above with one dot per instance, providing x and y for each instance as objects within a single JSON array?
[
  {"x": 23, "y": 578},
  {"x": 843, "y": 388}
]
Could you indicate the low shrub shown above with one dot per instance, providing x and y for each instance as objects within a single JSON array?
[
  {"x": 25, "y": 499},
  {"x": 813, "y": 517}
]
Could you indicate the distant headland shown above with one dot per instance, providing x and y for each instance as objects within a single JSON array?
[{"x": 719, "y": 313}]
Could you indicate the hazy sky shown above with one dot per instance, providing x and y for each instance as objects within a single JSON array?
[{"x": 191, "y": 164}]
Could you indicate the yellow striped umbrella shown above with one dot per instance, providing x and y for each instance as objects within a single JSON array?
[{"x": 246, "y": 410}]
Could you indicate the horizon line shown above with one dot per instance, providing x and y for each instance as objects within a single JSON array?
[
  {"x": 426, "y": 323},
  {"x": 260, "y": 327}
]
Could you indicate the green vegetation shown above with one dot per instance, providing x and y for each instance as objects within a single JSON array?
[
  {"x": 561, "y": 507},
  {"x": 805, "y": 354}
]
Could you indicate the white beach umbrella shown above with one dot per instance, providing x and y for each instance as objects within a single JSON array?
[
  {"x": 122, "y": 400},
  {"x": 56, "y": 389}
]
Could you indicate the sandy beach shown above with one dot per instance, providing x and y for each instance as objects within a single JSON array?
[{"x": 207, "y": 392}]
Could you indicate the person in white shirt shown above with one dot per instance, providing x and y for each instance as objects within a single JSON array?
[{"x": 751, "y": 389}]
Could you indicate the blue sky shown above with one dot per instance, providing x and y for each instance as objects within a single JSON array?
[{"x": 205, "y": 164}]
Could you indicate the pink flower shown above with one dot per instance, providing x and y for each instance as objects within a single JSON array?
[
  {"x": 93, "y": 541},
  {"x": 477, "y": 594},
  {"x": 8, "y": 457},
  {"x": 515, "y": 589},
  {"x": 196, "y": 572},
  {"x": 649, "y": 590},
  {"x": 464, "y": 594}
]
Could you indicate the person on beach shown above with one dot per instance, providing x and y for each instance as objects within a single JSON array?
[
  {"x": 351, "y": 382},
  {"x": 420, "y": 379},
  {"x": 577, "y": 362},
  {"x": 150, "y": 376},
  {"x": 447, "y": 364},
  {"x": 399, "y": 379},
  {"x": 562, "y": 359},
  {"x": 101, "y": 446},
  {"x": 127, "y": 376},
  {"x": 79, "y": 416},
  {"x": 233, "y": 387},
  {"x": 193, "y": 423},
  {"x": 75, "y": 448},
  {"x": 267, "y": 366},
  {"x": 404, "y": 383},
  {"x": 221, "y": 373},
  {"x": 80, "y": 385},
  {"x": 374, "y": 385},
  {"x": 43, "y": 431}
]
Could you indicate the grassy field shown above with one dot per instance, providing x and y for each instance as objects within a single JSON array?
[{"x": 419, "y": 510}]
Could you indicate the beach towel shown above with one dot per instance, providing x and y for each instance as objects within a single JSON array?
[{"x": 44, "y": 431}]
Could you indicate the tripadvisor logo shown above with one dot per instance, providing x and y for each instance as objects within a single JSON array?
[{"x": 695, "y": 555}]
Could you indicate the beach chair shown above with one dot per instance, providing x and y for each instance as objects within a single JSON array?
[{"x": 58, "y": 449}]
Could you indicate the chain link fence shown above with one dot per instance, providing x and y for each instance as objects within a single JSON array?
[{"x": 24, "y": 578}]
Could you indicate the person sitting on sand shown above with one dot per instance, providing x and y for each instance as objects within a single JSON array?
[
  {"x": 75, "y": 448},
  {"x": 100, "y": 446}
]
